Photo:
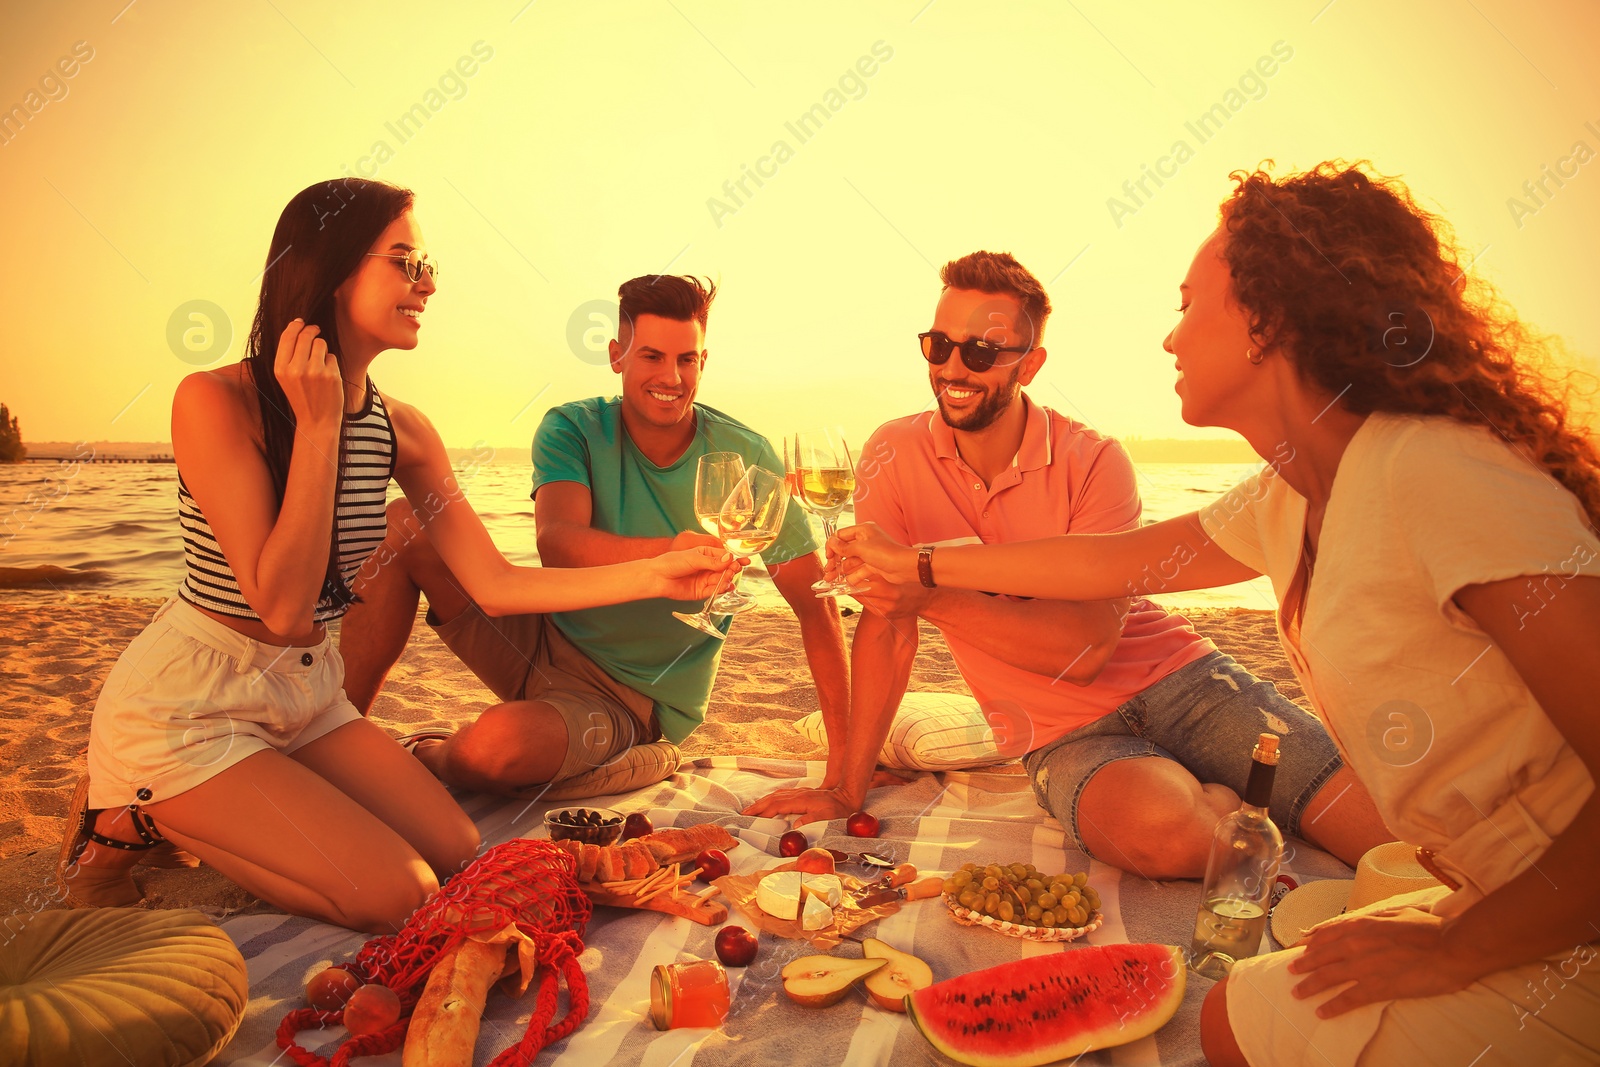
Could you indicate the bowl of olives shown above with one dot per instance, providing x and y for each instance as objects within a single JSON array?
[{"x": 595, "y": 826}]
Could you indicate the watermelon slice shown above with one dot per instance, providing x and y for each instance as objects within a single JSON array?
[{"x": 1048, "y": 1008}]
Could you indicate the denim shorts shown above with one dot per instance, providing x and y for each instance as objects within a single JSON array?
[{"x": 1206, "y": 717}]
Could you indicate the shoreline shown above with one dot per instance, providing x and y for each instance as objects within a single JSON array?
[{"x": 56, "y": 649}]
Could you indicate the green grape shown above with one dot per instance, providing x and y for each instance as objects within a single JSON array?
[
  {"x": 991, "y": 883},
  {"x": 1018, "y": 871},
  {"x": 992, "y": 871},
  {"x": 962, "y": 878},
  {"x": 950, "y": 887},
  {"x": 1024, "y": 894},
  {"x": 1033, "y": 913},
  {"x": 1047, "y": 919},
  {"x": 969, "y": 900},
  {"x": 1031, "y": 869},
  {"x": 1081, "y": 879},
  {"x": 1072, "y": 898},
  {"x": 1047, "y": 901},
  {"x": 1036, "y": 885},
  {"x": 991, "y": 903},
  {"x": 1006, "y": 911}
]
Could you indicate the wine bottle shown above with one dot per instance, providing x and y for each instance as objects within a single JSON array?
[{"x": 1245, "y": 851}]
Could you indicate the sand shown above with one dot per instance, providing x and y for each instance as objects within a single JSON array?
[{"x": 57, "y": 648}]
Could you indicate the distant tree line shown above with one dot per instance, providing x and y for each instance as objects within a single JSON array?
[{"x": 12, "y": 450}]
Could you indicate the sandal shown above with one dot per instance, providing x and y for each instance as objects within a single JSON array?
[
  {"x": 80, "y": 822},
  {"x": 409, "y": 742}
]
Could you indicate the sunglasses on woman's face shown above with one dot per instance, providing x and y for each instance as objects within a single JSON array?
[
  {"x": 978, "y": 355},
  {"x": 416, "y": 261}
]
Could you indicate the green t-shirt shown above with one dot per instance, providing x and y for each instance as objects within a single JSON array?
[{"x": 640, "y": 643}]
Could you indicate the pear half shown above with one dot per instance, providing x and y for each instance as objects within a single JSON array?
[
  {"x": 904, "y": 974},
  {"x": 817, "y": 981}
]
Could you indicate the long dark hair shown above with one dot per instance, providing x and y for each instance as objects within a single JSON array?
[
  {"x": 1373, "y": 300},
  {"x": 320, "y": 240}
]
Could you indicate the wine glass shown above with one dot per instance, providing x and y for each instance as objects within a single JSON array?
[
  {"x": 714, "y": 479},
  {"x": 750, "y": 519},
  {"x": 822, "y": 477}
]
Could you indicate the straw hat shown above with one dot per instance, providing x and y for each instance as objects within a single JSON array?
[{"x": 1385, "y": 871}]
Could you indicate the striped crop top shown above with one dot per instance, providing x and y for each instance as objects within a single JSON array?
[{"x": 369, "y": 448}]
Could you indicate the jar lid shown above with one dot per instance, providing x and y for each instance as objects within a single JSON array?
[{"x": 661, "y": 997}]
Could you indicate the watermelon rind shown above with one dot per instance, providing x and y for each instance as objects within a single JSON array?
[{"x": 1045, "y": 1034}]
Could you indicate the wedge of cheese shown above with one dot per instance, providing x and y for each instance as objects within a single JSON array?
[
  {"x": 826, "y": 886},
  {"x": 816, "y": 914},
  {"x": 779, "y": 895}
]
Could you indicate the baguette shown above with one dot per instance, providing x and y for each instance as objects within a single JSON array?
[
  {"x": 638, "y": 860},
  {"x": 444, "y": 1027},
  {"x": 611, "y": 867},
  {"x": 644, "y": 856},
  {"x": 588, "y": 860}
]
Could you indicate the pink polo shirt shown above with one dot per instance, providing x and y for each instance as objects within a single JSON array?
[{"x": 1066, "y": 478}]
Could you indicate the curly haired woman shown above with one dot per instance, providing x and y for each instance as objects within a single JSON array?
[{"x": 1428, "y": 523}]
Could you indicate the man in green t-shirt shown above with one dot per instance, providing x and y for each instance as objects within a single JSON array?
[{"x": 597, "y": 699}]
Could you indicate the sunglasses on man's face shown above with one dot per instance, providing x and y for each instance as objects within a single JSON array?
[
  {"x": 978, "y": 355},
  {"x": 416, "y": 261}
]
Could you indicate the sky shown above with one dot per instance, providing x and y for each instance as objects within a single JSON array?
[{"x": 557, "y": 149}]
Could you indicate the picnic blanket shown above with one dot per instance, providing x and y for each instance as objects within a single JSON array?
[{"x": 936, "y": 821}]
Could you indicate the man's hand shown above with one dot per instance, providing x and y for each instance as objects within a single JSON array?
[
  {"x": 808, "y": 805},
  {"x": 889, "y": 599},
  {"x": 693, "y": 539},
  {"x": 866, "y": 548}
]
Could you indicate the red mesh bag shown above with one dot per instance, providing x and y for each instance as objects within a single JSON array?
[{"x": 531, "y": 884}]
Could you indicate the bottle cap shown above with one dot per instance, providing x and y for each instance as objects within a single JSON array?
[{"x": 1266, "y": 750}]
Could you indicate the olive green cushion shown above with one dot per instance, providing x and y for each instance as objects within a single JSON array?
[{"x": 116, "y": 986}]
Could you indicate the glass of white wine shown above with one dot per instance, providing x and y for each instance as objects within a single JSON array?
[
  {"x": 714, "y": 479},
  {"x": 822, "y": 477},
  {"x": 749, "y": 520}
]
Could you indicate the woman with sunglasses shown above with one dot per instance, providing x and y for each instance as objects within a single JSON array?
[
  {"x": 223, "y": 730},
  {"x": 1427, "y": 518}
]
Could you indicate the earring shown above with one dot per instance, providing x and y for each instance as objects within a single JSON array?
[{"x": 1255, "y": 360}]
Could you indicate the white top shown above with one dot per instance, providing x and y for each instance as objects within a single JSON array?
[{"x": 1427, "y": 711}]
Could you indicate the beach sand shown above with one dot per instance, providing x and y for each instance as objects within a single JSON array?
[{"x": 57, "y": 648}]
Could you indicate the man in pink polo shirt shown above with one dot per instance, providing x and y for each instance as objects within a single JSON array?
[{"x": 1136, "y": 731}]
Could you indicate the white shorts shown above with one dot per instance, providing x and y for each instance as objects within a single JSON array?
[
  {"x": 1545, "y": 1013},
  {"x": 189, "y": 698}
]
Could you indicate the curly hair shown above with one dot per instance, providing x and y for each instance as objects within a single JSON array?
[{"x": 1368, "y": 296}]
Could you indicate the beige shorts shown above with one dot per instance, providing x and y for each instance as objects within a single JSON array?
[
  {"x": 189, "y": 698},
  {"x": 1546, "y": 1013},
  {"x": 525, "y": 657}
]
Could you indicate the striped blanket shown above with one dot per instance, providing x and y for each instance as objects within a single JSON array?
[{"x": 936, "y": 822}]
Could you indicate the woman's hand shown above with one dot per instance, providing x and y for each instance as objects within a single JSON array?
[
  {"x": 867, "y": 546},
  {"x": 1389, "y": 955},
  {"x": 309, "y": 374},
  {"x": 694, "y": 573}
]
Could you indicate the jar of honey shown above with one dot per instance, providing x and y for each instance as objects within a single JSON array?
[{"x": 692, "y": 993}]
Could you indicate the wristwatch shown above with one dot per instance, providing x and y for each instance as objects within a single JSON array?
[{"x": 925, "y": 565}]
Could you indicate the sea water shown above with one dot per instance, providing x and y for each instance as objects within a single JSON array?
[{"x": 116, "y": 525}]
